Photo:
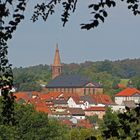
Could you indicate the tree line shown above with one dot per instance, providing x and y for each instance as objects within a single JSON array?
[{"x": 109, "y": 73}]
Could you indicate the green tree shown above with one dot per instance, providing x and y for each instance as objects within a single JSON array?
[
  {"x": 30, "y": 78},
  {"x": 98, "y": 10},
  {"x": 29, "y": 87},
  {"x": 85, "y": 133},
  {"x": 136, "y": 81},
  {"x": 120, "y": 126},
  {"x": 32, "y": 125},
  {"x": 74, "y": 134},
  {"x": 109, "y": 126}
]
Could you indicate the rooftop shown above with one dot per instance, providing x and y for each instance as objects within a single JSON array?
[
  {"x": 70, "y": 80},
  {"x": 128, "y": 92}
]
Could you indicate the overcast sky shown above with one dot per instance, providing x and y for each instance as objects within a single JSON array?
[{"x": 35, "y": 43}]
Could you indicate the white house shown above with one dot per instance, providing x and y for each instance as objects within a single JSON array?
[
  {"x": 77, "y": 113},
  {"x": 128, "y": 94},
  {"x": 75, "y": 102}
]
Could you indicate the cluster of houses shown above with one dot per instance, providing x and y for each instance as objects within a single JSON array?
[
  {"x": 66, "y": 107},
  {"x": 72, "y": 98},
  {"x": 73, "y": 108}
]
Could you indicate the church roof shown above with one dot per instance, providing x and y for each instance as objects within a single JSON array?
[{"x": 70, "y": 80}]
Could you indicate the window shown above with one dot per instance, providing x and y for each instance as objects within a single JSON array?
[
  {"x": 72, "y": 90},
  {"x": 84, "y": 91}
]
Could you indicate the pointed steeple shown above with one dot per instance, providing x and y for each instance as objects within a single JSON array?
[
  {"x": 57, "y": 61},
  {"x": 56, "y": 67}
]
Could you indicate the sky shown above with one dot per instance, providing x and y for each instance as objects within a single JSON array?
[{"x": 35, "y": 43}]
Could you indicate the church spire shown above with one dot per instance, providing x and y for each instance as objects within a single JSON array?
[
  {"x": 56, "y": 67},
  {"x": 57, "y": 61}
]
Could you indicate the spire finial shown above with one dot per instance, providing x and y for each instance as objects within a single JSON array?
[{"x": 56, "y": 45}]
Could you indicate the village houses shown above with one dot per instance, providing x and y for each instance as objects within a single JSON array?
[{"x": 72, "y": 98}]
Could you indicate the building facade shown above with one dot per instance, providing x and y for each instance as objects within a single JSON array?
[
  {"x": 128, "y": 94},
  {"x": 70, "y": 83}
]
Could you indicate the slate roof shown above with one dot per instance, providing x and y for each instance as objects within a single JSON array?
[
  {"x": 69, "y": 80},
  {"x": 76, "y": 111},
  {"x": 64, "y": 102}
]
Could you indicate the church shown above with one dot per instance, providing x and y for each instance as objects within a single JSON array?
[{"x": 70, "y": 83}]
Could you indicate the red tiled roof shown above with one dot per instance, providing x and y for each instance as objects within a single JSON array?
[
  {"x": 67, "y": 122},
  {"x": 22, "y": 95},
  {"x": 121, "y": 85},
  {"x": 68, "y": 95},
  {"x": 74, "y": 96},
  {"x": 43, "y": 109},
  {"x": 37, "y": 102},
  {"x": 40, "y": 104},
  {"x": 85, "y": 124},
  {"x": 95, "y": 108},
  {"x": 50, "y": 95},
  {"x": 128, "y": 92},
  {"x": 76, "y": 111},
  {"x": 102, "y": 98},
  {"x": 76, "y": 99},
  {"x": 35, "y": 93}
]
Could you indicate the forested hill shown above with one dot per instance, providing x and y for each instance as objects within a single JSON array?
[
  {"x": 106, "y": 72},
  {"x": 121, "y": 68}
]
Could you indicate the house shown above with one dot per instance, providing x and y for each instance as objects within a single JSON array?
[
  {"x": 62, "y": 103},
  {"x": 77, "y": 113},
  {"x": 80, "y": 101},
  {"x": 96, "y": 110},
  {"x": 60, "y": 113},
  {"x": 70, "y": 83},
  {"x": 128, "y": 94},
  {"x": 88, "y": 101},
  {"x": 75, "y": 102}
]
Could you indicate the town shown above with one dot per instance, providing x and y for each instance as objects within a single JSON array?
[
  {"x": 92, "y": 92},
  {"x": 72, "y": 98}
]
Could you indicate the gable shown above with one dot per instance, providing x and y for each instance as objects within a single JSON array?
[
  {"x": 90, "y": 85},
  {"x": 136, "y": 95},
  {"x": 70, "y": 100},
  {"x": 93, "y": 84}
]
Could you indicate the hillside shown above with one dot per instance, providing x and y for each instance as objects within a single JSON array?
[{"x": 107, "y": 72}]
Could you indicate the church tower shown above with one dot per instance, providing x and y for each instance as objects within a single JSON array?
[{"x": 56, "y": 66}]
